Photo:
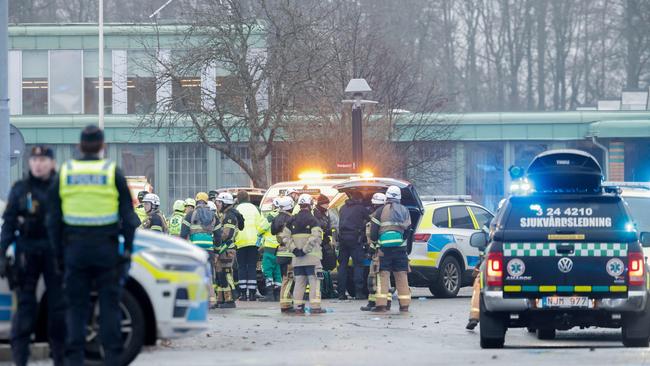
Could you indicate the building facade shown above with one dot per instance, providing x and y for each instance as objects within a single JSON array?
[{"x": 53, "y": 87}]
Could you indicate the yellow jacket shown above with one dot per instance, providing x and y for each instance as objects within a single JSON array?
[{"x": 248, "y": 236}]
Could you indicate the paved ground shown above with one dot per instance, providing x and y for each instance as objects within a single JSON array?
[{"x": 432, "y": 333}]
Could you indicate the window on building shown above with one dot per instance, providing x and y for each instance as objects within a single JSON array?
[
  {"x": 91, "y": 82},
  {"x": 139, "y": 160},
  {"x": 484, "y": 172},
  {"x": 186, "y": 93},
  {"x": 141, "y": 83},
  {"x": 280, "y": 169},
  {"x": 526, "y": 151},
  {"x": 229, "y": 95},
  {"x": 483, "y": 217},
  {"x": 233, "y": 175},
  {"x": 460, "y": 218},
  {"x": 35, "y": 84},
  {"x": 188, "y": 167},
  {"x": 441, "y": 217},
  {"x": 66, "y": 82}
]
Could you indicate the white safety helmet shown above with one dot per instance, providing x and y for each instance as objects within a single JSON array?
[
  {"x": 152, "y": 198},
  {"x": 394, "y": 193},
  {"x": 304, "y": 199},
  {"x": 226, "y": 198},
  {"x": 276, "y": 202},
  {"x": 285, "y": 203},
  {"x": 212, "y": 206},
  {"x": 378, "y": 199}
]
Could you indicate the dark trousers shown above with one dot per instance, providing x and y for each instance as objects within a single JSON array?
[
  {"x": 354, "y": 251},
  {"x": 31, "y": 264},
  {"x": 247, "y": 270},
  {"x": 93, "y": 264}
]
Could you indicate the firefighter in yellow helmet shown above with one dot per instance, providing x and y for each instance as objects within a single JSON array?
[
  {"x": 190, "y": 204},
  {"x": 176, "y": 221}
]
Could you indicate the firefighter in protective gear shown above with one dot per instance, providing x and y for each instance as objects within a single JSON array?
[
  {"x": 475, "y": 302},
  {"x": 155, "y": 220},
  {"x": 23, "y": 224},
  {"x": 284, "y": 256},
  {"x": 246, "y": 242},
  {"x": 225, "y": 250},
  {"x": 90, "y": 207},
  {"x": 270, "y": 266},
  {"x": 378, "y": 200},
  {"x": 176, "y": 221},
  {"x": 303, "y": 235},
  {"x": 390, "y": 225},
  {"x": 201, "y": 227},
  {"x": 139, "y": 210},
  {"x": 190, "y": 204}
]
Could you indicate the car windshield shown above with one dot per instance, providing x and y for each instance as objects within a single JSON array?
[{"x": 640, "y": 214}]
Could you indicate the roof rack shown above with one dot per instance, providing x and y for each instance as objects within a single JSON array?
[
  {"x": 435, "y": 198},
  {"x": 639, "y": 185}
]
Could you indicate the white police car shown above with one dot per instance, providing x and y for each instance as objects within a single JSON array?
[
  {"x": 165, "y": 297},
  {"x": 441, "y": 257}
]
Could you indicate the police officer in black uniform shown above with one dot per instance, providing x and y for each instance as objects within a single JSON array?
[
  {"x": 352, "y": 236},
  {"x": 90, "y": 207},
  {"x": 24, "y": 219}
]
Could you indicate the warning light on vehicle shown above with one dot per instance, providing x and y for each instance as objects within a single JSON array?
[
  {"x": 367, "y": 174},
  {"x": 636, "y": 267},
  {"x": 310, "y": 175}
]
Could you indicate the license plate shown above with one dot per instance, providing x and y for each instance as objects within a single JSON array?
[{"x": 565, "y": 302}]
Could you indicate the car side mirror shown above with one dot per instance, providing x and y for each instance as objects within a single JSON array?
[
  {"x": 479, "y": 240},
  {"x": 645, "y": 239}
]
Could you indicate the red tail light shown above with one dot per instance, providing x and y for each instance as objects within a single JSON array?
[
  {"x": 421, "y": 237},
  {"x": 636, "y": 269},
  {"x": 495, "y": 269}
]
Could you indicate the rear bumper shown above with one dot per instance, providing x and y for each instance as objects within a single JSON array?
[{"x": 494, "y": 302}]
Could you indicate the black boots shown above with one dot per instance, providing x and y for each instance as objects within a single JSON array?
[
  {"x": 471, "y": 324},
  {"x": 227, "y": 305},
  {"x": 371, "y": 305},
  {"x": 252, "y": 295},
  {"x": 271, "y": 296},
  {"x": 379, "y": 309}
]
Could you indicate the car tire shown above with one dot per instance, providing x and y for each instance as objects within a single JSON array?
[
  {"x": 133, "y": 318},
  {"x": 635, "y": 331},
  {"x": 492, "y": 328},
  {"x": 546, "y": 334},
  {"x": 531, "y": 330},
  {"x": 448, "y": 281}
]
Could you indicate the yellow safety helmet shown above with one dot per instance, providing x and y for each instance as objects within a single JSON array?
[
  {"x": 202, "y": 196},
  {"x": 190, "y": 202},
  {"x": 179, "y": 205}
]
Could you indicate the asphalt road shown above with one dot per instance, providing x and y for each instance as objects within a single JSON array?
[{"x": 431, "y": 334}]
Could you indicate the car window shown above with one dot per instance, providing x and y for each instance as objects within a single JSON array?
[
  {"x": 441, "y": 217},
  {"x": 482, "y": 216},
  {"x": 640, "y": 213},
  {"x": 460, "y": 218}
]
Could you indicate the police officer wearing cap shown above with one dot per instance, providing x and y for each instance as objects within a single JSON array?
[
  {"x": 24, "y": 219},
  {"x": 90, "y": 207}
]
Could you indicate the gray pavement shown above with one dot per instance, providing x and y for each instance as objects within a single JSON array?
[{"x": 431, "y": 334}]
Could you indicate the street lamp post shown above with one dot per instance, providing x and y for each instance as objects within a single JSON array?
[
  {"x": 4, "y": 100},
  {"x": 100, "y": 74},
  {"x": 357, "y": 87}
]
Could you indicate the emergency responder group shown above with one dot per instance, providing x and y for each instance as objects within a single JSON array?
[{"x": 65, "y": 227}]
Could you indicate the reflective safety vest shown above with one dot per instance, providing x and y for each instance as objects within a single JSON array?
[
  {"x": 248, "y": 236},
  {"x": 264, "y": 229},
  {"x": 175, "y": 223},
  {"x": 88, "y": 193},
  {"x": 199, "y": 235},
  {"x": 142, "y": 214}
]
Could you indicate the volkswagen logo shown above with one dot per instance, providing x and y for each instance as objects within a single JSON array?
[{"x": 565, "y": 265}]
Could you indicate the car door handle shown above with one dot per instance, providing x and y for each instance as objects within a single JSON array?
[{"x": 565, "y": 248}]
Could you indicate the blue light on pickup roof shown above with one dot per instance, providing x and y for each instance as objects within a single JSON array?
[{"x": 630, "y": 227}]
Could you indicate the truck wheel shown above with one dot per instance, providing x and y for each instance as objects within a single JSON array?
[
  {"x": 546, "y": 333},
  {"x": 493, "y": 328},
  {"x": 133, "y": 331},
  {"x": 448, "y": 282},
  {"x": 531, "y": 329},
  {"x": 636, "y": 328}
]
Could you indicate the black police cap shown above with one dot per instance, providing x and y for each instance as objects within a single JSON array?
[{"x": 42, "y": 150}]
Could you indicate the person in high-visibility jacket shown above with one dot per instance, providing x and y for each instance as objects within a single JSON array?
[
  {"x": 270, "y": 266},
  {"x": 283, "y": 255},
  {"x": 89, "y": 208},
  {"x": 201, "y": 227},
  {"x": 378, "y": 200},
  {"x": 232, "y": 222},
  {"x": 246, "y": 242},
  {"x": 139, "y": 210},
  {"x": 390, "y": 226},
  {"x": 176, "y": 221}
]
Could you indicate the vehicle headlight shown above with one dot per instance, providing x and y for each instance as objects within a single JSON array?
[{"x": 171, "y": 262}]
